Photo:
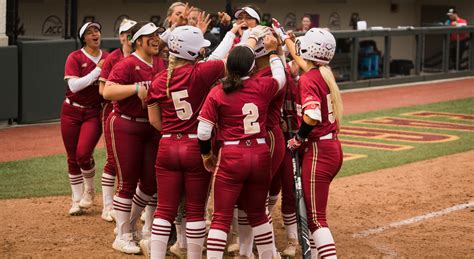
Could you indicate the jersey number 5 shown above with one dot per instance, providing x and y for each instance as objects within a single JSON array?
[
  {"x": 251, "y": 125},
  {"x": 183, "y": 108}
]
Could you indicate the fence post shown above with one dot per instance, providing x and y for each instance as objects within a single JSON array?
[
  {"x": 355, "y": 59},
  {"x": 387, "y": 58},
  {"x": 418, "y": 54},
  {"x": 446, "y": 52}
]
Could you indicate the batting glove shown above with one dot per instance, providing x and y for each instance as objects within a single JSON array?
[
  {"x": 279, "y": 30},
  {"x": 294, "y": 143},
  {"x": 259, "y": 32}
]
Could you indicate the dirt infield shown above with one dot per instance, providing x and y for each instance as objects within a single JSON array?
[
  {"x": 44, "y": 140},
  {"x": 41, "y": 227},
  {"x": 385, "y": 200}
]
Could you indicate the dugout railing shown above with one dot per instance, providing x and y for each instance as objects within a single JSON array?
[{"x": 33, "y": 70}]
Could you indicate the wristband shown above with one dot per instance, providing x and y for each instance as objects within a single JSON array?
[
  {"x": 205, "y": 147},
  {"x": 273, "y": 52},
  {"x": 304, "y": 131}
]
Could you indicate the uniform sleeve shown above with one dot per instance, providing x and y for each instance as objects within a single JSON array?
[
  {"x": 209, "y": 110},
  {"x": 209, "y": 72},
  {"x": 106, "y": 68},
  {"x": 154, "y": 92},
  {"x": 119, "y": 74},
  {"x": 310, "y": 98},
  {"x": 269, "y": 86},
  {"x": 72, "y": 67}
]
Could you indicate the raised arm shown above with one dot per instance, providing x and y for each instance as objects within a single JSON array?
[
  {"x": 276, "y": 65},
  {"x": 289, "y": 44},
  {"x": 78, "y": 83}
]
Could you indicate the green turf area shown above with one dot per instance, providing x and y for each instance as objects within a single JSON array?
[{"x": 47, "y": 176}]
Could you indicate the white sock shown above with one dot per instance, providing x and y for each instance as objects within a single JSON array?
[
  {"x": 325, "y": 243},
  {"x": 160, "y": 233},
  {"x": 140, "y": 200},
  {"x": 290, "y": 225},
  {"x": 88, "y": 178},
  {"x": 270, "y": 221},
  {"x": 216, "y": 241},
  {"x": 195, "y": 234},
  {"x": 149, "y": 213},
  {"x": 107, "y": 182},
  {"x": 272, "y": 200},
  {"x": 77, "y": 184},
  {"x": 245, "y": 235},
  {"x": 264, "y": 240},
  {"x": 122, "y": 209}
]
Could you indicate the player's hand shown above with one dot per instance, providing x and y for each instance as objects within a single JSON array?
[
  {"x": 237, "y": 27},
  {"x": 294, "y": 144},
  {"x": 270, "y": 42},
  {"x": 224, "y": 18},
  {"x": 279, "y": 30},
  {"x": 183, "y": 18},
  {"x": 260, "y": 32},
  {"x": 203, "y": 21},
  {"x": 142, "y": 92},
  {"x": 209, "y": 162},
  {"x": 101, "y": 63}
]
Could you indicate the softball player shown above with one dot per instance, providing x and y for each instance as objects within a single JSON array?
[
  {"x": 134, "y": 140},
  {"x": 174, "y": 102},
  {"x": 80, "y": 115},
  {"x": 108, "y": 177},
  {"x": 238, "y": 108},
  {"x": 322, "y": 113}
]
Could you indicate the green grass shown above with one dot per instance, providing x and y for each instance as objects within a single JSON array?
[{"x": 47, "y": 176}]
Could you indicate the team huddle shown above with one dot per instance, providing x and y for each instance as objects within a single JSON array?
[{"x": 185, "y": 123}]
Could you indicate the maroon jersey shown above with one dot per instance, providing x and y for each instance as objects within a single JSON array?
[
  {"x": 113, "y": 58},
  {"x": 132, "y": 70},
  {"x": 78, "y": 65},
  {"x": 314, "y": 94},
  {"x": 188, "y": 88},
  {"x": 292, "y": 106},
  {"x": 240, "y": 114}
]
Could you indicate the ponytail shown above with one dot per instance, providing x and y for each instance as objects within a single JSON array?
[
  {"x": 171, "y": 65},
  {"x": 232, "y": 83},
  {"x": 335, "y": 93}
]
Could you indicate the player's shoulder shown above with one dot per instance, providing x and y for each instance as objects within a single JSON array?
[{"x": 77, "y": 54}]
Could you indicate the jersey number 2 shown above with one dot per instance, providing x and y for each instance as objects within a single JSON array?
[
  {"x": 251, "y": 125},
  {"x": 183, "y": 108}
]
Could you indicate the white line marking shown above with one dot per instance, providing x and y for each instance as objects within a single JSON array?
[
  {"x": 381, "y": 87},
  {"x": 414, "y": 219}
]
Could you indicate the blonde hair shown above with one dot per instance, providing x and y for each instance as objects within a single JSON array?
[
  {"x": 171, "y": 9},
  {"x": 171, "y": 65},
  {"x": 336, "y": 99}
]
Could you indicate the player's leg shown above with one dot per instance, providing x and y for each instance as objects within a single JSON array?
[
  {"x": 231, "y": 172},
  {"x": 70, "y": 128},
  {"x": 326, "y": 159},
  {"x": 169, "y": 180},
  {"x": 147, "y": 185},
  {"x": 253, "y": 198},
  {"x": 108, "y": 175},
  {"x": 288, "y": 207},
  {"x": 91, "y": 130},
  {"x": 196, "y": 182},
  {"x": 128, "y": 153}
]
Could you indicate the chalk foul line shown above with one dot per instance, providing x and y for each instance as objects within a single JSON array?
[{"x": 413, "y": 220}]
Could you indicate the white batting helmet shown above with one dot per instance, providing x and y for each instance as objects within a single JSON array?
[
  {"x": 317, "y": 45},
  {"x": 186, "y": 41}
]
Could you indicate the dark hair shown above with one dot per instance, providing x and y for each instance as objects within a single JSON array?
[
  {"x": 134, "y": 30},
  {"x": 239, "y": 63},
  {"x": 306, "y": 16}
]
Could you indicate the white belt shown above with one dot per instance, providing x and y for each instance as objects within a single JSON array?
[
  {"x": 133, "y": 119},
  {"x": 248, "y": 141},
  {"x": 179, "y": 135},
  {"x": 74, "y": 104},
  {"x": 327, "y": 136}
]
